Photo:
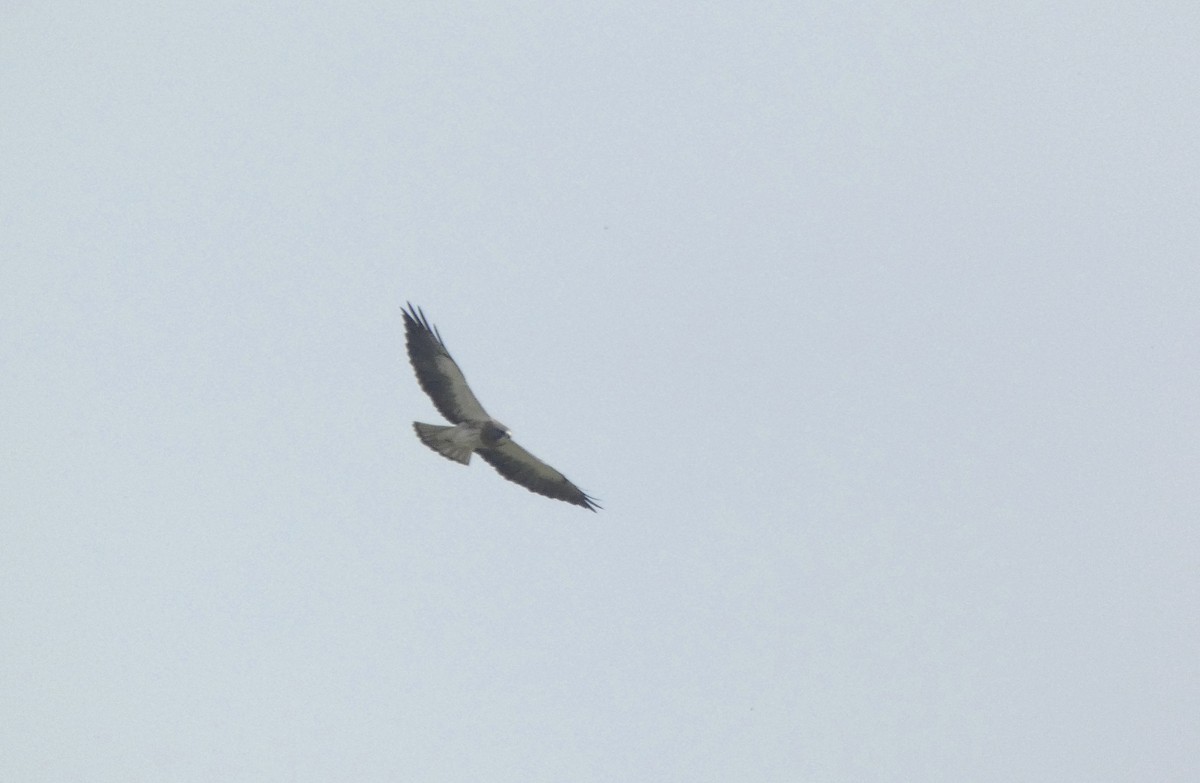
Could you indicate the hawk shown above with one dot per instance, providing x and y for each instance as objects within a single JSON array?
[{"x": 474, "y": 431}]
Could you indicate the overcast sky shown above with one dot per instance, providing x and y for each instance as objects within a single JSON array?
[{"x": 875, "y": 328}]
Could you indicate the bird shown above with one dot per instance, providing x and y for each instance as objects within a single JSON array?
[{"x": 473, "y": 430}]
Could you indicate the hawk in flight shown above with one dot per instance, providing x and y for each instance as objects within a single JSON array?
[{"x": 474, "y": 431}]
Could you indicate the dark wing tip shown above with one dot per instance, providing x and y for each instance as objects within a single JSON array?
[
  {"x": 573, "y": 495},
  {"x": 414, "y": 318}
]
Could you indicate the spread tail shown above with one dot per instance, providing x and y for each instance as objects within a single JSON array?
[{"x": 443, "y": 440}]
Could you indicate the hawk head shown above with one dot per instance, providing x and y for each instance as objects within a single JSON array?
[{"x": 494, "y": 433}]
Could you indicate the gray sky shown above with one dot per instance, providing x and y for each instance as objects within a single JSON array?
[{"x": 873, "y": 326}]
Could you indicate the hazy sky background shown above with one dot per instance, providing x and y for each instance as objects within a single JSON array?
[{"x": 874, "y": 326}]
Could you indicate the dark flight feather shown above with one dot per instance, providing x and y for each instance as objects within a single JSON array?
[
  {"x": 437, "y": 371},
  {"x": 519, "y": 466}
]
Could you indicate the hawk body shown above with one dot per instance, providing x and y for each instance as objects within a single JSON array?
[{"x": 460, "y": 441}]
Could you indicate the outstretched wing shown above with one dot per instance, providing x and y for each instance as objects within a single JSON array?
[
  {"x": 437, "y": 373},
  {"x": 519, "y": 466}
]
